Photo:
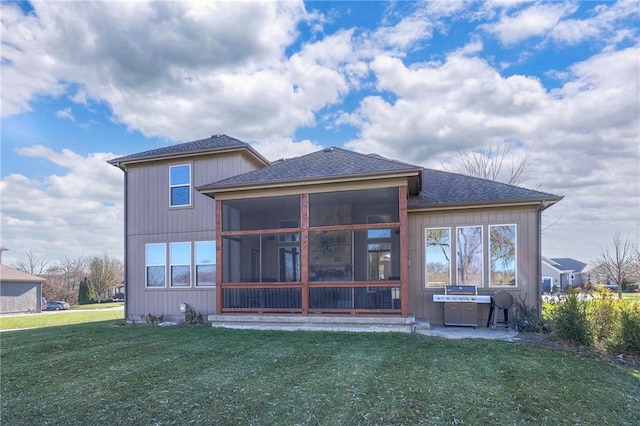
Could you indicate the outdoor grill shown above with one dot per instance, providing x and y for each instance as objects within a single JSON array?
[{"x": 460, "y": 304}]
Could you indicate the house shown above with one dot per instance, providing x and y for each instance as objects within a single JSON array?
[
  {"x": 333, "y": 236},
  {"x": 562, "y": 273},
  {"x": 20, "y": 293}
]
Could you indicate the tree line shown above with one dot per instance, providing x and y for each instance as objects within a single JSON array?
[{"x": 76, "y": 280}]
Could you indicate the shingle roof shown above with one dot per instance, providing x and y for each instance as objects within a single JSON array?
[
  {"x": 326, "y": 164},
  {"x": 8, "y": 274},
  {"x": 568, "y": 264},
  {"x": 212, "y": 144},
  {"x": 448, "y": 189}
]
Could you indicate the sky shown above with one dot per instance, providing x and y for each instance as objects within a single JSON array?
[{"x": 83, "y": 82}]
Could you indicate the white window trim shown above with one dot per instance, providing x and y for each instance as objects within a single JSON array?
[
  {"x": 196, "y": 264},
  {"x": 171, "y": 186},
  {"x": 451, "y": 258},
  {"x": 482, "y": 244},
  {"x": 171, "y": 264},
  {"x": 515, "y": 254},
  {"x": 147, "y": 265}
]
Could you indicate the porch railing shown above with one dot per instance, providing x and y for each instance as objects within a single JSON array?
[{"x": 335, "y": 298}]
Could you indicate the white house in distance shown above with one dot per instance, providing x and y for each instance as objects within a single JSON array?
[{"x": 563, "y": 273}]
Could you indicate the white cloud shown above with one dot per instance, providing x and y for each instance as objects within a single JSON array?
[
  {"x": 77, "y": 213},
  {"x": 66, "y": 113},
  {"x": 180, "y": 70},
  {"x": 535, "y": 20},
  {"x": 551, "y": 21},
  {"x": 583, "y": 136}
]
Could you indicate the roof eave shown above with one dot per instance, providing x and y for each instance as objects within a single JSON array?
[
  {"x": 548, "y": 202},
  {"x": 213, "y": 189},
  {"x": 119, "y": 162}
]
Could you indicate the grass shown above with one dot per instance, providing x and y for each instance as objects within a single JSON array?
[
  {"x": 58, "y": 318},
  {"x": 629, "y": 296},
  {"x": 103, "y": 305},
  {"x": 102, "y": 373}
]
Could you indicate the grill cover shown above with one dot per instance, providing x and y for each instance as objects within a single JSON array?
[{"x": 502, "y": 299}]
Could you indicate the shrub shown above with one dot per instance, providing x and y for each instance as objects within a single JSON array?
[
  {"x": 603, "y": 311},
  {"x": 527, "y": 318},
  {"x": 192, "y": 317},
  {"x": 626, "y": 336},
  {"x": 151, "y": 319},
  {"x": 569, "y": 321}
]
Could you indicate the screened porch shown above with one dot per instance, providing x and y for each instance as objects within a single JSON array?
[{"x": 336, "y": 252}]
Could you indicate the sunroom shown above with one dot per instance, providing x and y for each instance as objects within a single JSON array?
[{"x": 326, "y": 252}]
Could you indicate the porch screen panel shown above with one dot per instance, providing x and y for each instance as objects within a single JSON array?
[
  {"x": 353, "y": 207},
  {"x": 330, "y": 256},
  {"x": 260, "y": 213}
]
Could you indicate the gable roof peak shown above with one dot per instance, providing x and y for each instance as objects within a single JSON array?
[
  {"x": 331, "y": 163},
  {"x": 214, "y": 143}
]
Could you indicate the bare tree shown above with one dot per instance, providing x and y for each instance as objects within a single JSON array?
[
  {"x": 74, "y": 270},
  {"x": 617, "y": 266},
  {"x": 490, "y": 161},
  {"x": 34, "y": 265},
  {"x": 56, "y": 288},
  {"x": 104, "y": 274}
]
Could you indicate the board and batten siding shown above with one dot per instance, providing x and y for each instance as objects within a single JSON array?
[
  {"x": 150, "y": 219},
  {"x": 528, "y": 263}
]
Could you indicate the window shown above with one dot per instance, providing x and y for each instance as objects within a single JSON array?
[
  {"x": 469, "y": 255},
  {"x": 156, "y": 258},
  {"x": 180, "y": 264},
  {"x": 502, "y": 247},
  {"x": 180, "y": 183},
  {"x": 437, "y": 257},
  {"x": 205, "y": 263}
]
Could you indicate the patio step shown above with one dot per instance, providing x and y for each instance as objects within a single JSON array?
[{"x": 314, "y": 323}]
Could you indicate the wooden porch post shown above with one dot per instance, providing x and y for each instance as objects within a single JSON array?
[
  {"x": 404, "y": 251},
  {"x": 304, "y": 251},
  {"x": 218, "y": 257}
]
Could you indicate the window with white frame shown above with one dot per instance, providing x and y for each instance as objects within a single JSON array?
[
  {"x": 205, "y": 263},
  {"x": 502, "y": 252},
  {"x": 437, "y": 257},
  {"x": 180, "y": 185},
  {"x": 156, "y": 263},
  {"x": 180, "y": 264},
  {"x": 469, "y": 255}
]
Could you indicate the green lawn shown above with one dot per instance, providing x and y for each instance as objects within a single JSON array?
[
  {"x": 104, "y": 305},
  {"x": 101, "y": 373},
  {"x": 49, "y": 319},
  {"x": 630, "y": 296}
]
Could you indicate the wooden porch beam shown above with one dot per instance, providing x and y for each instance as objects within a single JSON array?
[{"x": 404, "y": 251}]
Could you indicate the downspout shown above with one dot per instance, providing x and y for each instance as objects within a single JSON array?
[
  {"x": 538, "y": 292},
  {"x": 126, "y": 243}
]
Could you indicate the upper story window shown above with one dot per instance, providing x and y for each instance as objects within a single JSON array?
[{"x": 180, "y": 185}]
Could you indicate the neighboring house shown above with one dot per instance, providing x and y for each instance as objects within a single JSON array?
[
  {"x": 19, "y": 292},
  {"x": 562, "y": 272},
  {"x": 333, "y": 234}
]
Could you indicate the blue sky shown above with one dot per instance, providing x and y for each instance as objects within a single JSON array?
[{"x": 83, "y": 82}]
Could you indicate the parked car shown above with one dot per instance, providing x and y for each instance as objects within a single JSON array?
[
  {"x": 43, "y": 303},
  {"x": 118, "y": 297},
  {"x": 57, "y": 306}
]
